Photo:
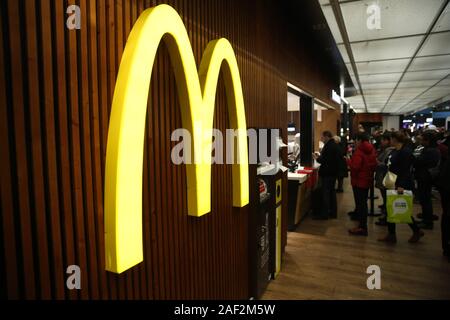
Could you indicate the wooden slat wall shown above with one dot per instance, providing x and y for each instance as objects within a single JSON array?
[{"x": 56, "y": 88}]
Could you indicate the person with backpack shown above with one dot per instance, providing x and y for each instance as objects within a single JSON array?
[
  {"x": 426, "y": 172},
  {"x": 362, "y": 167}
]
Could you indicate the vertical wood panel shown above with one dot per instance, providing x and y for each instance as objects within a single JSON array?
[
  {"x": 19, "y": 132},
  {"x": 11, "y": 287},
  {"x": 51, "y": 164},
  {"x": 62, "y": 140}
]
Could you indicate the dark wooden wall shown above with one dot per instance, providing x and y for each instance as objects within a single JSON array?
[
  {"x": 56, "y": 88},
  {"x": 366, "y": 117}
]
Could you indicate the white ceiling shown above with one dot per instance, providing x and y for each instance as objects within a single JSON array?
[{"x": 393, "y": 79}]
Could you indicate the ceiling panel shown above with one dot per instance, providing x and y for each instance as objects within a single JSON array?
[
  {"x": 379, "y": 78},
  {"x": 430, "y": 63},
  {"x": 389, "y": 66},
  {"x": 444, "y": 21},
  {"x": 382, "y": 85},
  {"x": 410, "y": 91},
  {"x": 356, "y": 101},
  {"x": 436, "y": 44},
  {"x": 445, "y": 82},
  {"x": 416, "y": 84},
  {"x": 436, "y": 92},
  {"x": 425, "y": 75},
  {"x": 385, "y": 49},
  {"x": 398, "y": 18}
]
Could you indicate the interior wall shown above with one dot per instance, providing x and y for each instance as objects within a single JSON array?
[
  {"x": 391, "y": 122},
  {"x": 365, "y": 117},
  {"x": 56, "y": 88},
  {"x": 329, "y": 122}
]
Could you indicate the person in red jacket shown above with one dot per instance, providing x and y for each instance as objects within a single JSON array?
[{"x": 362, "y": 167}]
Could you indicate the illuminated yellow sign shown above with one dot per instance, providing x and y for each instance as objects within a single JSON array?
[{"x": 124, "y": 156}]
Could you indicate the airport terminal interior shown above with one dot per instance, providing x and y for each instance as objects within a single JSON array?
[{"x": 224, "y": 150}]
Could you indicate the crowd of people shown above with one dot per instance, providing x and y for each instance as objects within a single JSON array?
[{"x": 419, "y": 161}]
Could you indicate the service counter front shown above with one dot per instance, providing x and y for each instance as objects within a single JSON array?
[{"x": 301, "y": 184}]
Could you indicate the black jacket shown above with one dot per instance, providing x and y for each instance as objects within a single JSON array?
[
  {"x": 330, "y": 159},
  {"x": 444, "y": 178},
  {"x": 401, "y": 162},
  {"x": 428, "y": 159},
  {"x": 342, "y": 169}
]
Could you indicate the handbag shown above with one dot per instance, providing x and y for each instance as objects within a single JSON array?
[
  {"x": 389, "y": 180},
  {"x": 399, "y": 207}
]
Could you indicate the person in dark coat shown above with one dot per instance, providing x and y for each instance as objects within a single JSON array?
[
  {"x": 328, "y": 171},
  {"x": 343, "y": 170},
  {"x": 444, "y": 190},
  {"x": 362, "y": 168},
  {"x": 400, "y": 162},
  {"x": 427, "y": 161}
]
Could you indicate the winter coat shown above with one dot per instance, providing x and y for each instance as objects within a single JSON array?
[
  {"x": 329, "y": 159},
  {"x": 401, "y": 162},
  {"x": 362, "y": 165},
  {"x": 428, "y": 159},
  {"x": 343, "y": 169}
]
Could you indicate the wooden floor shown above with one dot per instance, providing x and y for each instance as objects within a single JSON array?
[{"x": 323, "y": 262}]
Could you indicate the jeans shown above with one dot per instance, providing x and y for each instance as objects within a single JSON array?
[
  {"x": 424, "y": 195},
  {"x": 329, "y": 201},
  {"x": 361, "y": 195}
]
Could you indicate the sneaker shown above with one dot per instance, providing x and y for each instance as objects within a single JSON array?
[
  {"x": 416, "y": 236},
  {"x": 358, "y": 231},
  {"x": 389, "y": 238},
  {"x": 425, "y": 225}
]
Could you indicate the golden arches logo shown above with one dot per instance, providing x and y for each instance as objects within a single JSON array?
[{"x": 124, "y": 156}]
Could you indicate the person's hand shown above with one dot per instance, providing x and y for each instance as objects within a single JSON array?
[
  {"x": 400, "y": 190},
  {"x": 315, "y": 155}
]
